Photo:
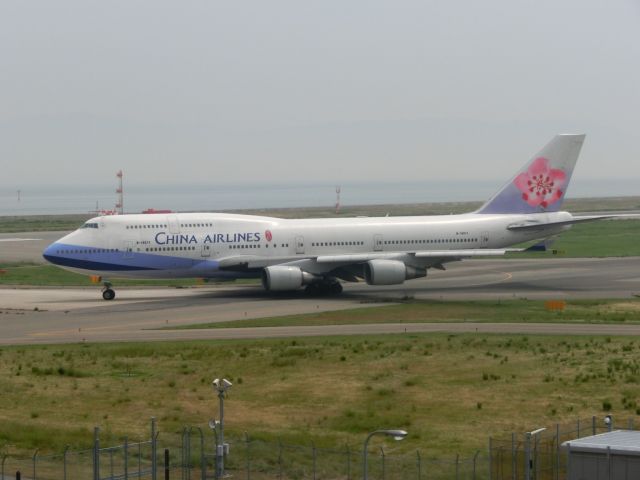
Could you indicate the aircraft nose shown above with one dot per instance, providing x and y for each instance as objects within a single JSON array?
[{"x": 50, "y": 253}]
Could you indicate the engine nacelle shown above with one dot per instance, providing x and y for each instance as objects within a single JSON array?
[
  {"x": 283, "y": 278},
  {"x": 390, "y": 272}
]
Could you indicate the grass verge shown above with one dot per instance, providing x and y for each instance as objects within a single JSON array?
[
  {"x": 432, "y": 311},
  {"x": 449, "y": 391}
]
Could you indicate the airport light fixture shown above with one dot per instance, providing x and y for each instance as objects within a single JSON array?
[
  {"x": 396, "y": 434},
  {"x": 220, "y": 385},
  {"x": 608, "y": 421}
]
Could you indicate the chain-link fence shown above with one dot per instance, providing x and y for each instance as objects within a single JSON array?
[
  {"x": 537, "y": 455},
  {"x": 193, "y": 454}
]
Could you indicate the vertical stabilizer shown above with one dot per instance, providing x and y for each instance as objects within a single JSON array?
[{"x": 540, "y": 186}]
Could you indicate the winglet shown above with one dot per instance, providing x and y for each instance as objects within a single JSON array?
[{"x": 540, "y": 186}]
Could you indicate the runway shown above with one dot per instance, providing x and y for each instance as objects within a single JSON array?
[{"x": 63, "y": 315}]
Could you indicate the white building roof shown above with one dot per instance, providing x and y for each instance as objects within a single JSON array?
[{"x": 621, "y": 442}]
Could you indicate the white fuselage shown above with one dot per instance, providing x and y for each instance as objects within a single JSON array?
[{"x": 201, "y": 244}]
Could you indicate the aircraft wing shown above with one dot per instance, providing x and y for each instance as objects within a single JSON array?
[
  {"x": 533, "y": 225},
  {"x": 328, "y": 262}
]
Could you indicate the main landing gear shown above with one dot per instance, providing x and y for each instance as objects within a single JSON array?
[
  {"x": 317, "y": 289},
  {"x": 107, "y": 292}
]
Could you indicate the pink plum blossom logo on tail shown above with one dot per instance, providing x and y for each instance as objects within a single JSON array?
[{"x": 540, "y": 184}]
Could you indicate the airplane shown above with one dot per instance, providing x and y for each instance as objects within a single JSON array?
[{"x": 289, "y": 254}]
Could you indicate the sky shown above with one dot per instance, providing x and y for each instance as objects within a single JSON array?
[{"x": 288, "y": 91}]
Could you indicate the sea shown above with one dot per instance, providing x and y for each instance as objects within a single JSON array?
[{"x": 74, "y": 199}]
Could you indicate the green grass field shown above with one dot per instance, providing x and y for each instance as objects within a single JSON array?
[
  {"x": 433, "y": 311},
  {"x": 449, "y": 391}
]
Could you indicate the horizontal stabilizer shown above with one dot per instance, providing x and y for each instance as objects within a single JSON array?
[{"x": 591, "y": 218}]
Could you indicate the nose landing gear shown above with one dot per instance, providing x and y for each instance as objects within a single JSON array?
[{"x": 107, "y": 292}]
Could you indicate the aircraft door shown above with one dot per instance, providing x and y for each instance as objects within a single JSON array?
[
  {"x": 484, "y": 239},
  {"x": 299, "y": 245},
  {"x": 128, "y": 248},
  {"x": 174, "y": 224},
  {"x": 206, "y": 251},
  {"x": 377, "y": 243}
]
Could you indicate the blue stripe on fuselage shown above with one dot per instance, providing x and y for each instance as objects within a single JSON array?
[{"x": 101, "y": 259}]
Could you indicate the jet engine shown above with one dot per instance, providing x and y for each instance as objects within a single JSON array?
[
  {"x": 283, "y": 278},
  {"x": 390, "y": 272}
]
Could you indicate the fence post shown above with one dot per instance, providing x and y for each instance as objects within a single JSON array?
[
  {"x": 18, "y": 475},
  {"x": 64, "y": 463},
  {"x": 96, "y": 453},
  {"x": 490, "y": 458},
  {"x": 593, "y": 425},
  {"x": 348, "y": 462},
  {"x": 280, "y": 458},
  {"x": 4, "y": 459},
  {"x": 154, "y": 459},
  {"x": 35, "y": 460},
  {"x": 247, "y": 441},
  {"x": 111, "y": 462},
  {"x": 514, "y": 457},
  {"x": 183, "y": 453},
  {"x": 314, "y": 453},
  {"x": 166, "y": 464},
  {"x": 457, "y": 466},
  {"x": 419, "y": 463},
  {"x": 578, "y": 433},
  {"x": 126, "y": 458},
  {"x": 557, "y": 475},
  {"x": 384, "y": 470},
  {"x": 475, "y": 460},
  {"x": 630, "y": 423}
]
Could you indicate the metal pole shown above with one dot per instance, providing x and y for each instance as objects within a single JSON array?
[
  {"x": 221, "y": 446},
  {"x": 527, "y": 457},
  {"x": 593, "y": 425},
  {"x": 514, "y": 457},
  {"x": 557, "y": 451},
  {"x": 64, "y": 463},
  {"x": 348, "y": 463},
  {"x": 248, "y": 446},
  {"x": 475, "y": 461},
  {"x": 18, "y": 475},
  {"x": 314, "y": 455},
  {"x": 96, "y": 453},
  {"x": 419, "y": 463},
  {"x": 126, "y": 458},
  {"x": 4, "y": 459},
  {"x": 154, "y": 453},
  {"x": 280, "y": 459},
  {"x": 111, "y": 462},
  {"x": 457, "y": 466},
  {"x": 35, "y": 459},
  {"x": 166, "y": 464},
  {"x": 384, "y": 470},
  {"x": 365, "y": 467}
]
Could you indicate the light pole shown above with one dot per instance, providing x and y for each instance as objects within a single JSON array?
[
  {"x": 396, "y": 434},
  {"x": 220, "y": 386},
  {"x": 528, "y": 459}
]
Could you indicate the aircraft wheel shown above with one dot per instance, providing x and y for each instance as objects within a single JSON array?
[
  {"x": 336, "y": 288},
  {"x": 108, "y": 294}
]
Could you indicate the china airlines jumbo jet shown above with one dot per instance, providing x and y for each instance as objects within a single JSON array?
[{"x": 318, "y": 253}]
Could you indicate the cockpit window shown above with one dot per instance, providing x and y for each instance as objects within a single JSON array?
[{"x": 90, "y": 225}]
